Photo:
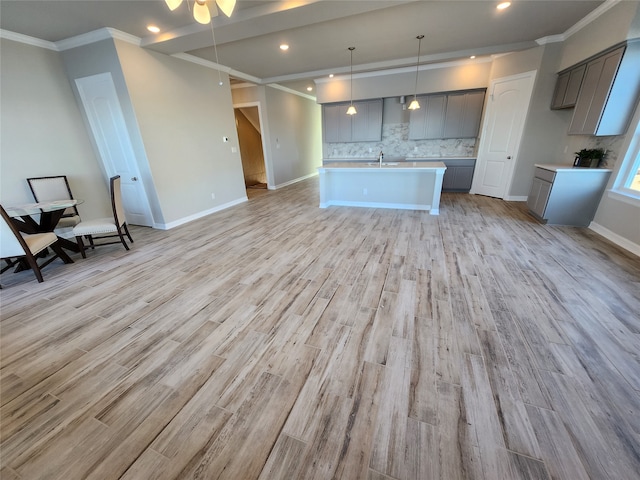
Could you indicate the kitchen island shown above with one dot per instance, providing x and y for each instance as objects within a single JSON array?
[{"x": 403, "y": 185}]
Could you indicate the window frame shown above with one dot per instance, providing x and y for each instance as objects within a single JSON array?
[{"x": 629, "y": 166}]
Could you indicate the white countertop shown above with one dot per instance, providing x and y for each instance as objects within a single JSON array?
[
  {"x": 373, "y": 166},
  {"x": 559, "y": 168}
]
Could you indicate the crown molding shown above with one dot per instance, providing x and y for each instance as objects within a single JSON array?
[
  {"x": 289, "y": 90},
  {"x": 395, "y": 71},
  {"x": 551, "y": 39},
  {"x": 600, "y": 10},
  {"x": 96, "y": 36},
  {"x": 27, "y": 40}
]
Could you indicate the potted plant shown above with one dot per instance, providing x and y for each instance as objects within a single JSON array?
[{"x": 589, "y": 157}]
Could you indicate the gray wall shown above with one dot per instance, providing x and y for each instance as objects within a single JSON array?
[
  {"x": 101, "y": 57},
  {"x": 291, "y": 131},
  {"x": 183, "y": 115},
  {"x": 42, "y": 130},
  {"x": 294, "y": 135}
]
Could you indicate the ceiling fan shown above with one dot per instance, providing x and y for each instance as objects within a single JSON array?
[{"x": 201, "y": 12}]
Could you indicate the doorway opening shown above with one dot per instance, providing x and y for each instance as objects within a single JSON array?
[{"x": 251, "y": 151}]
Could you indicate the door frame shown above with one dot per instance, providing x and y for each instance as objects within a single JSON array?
[
  {"x": 267, "y": 159},
  {"x": 105, "y": 78},
  {"x": 489, "y": 105}
]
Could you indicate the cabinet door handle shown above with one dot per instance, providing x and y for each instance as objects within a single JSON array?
[
  {"x": 135, "y": 179},
  {"x": 509, "y": 157}
]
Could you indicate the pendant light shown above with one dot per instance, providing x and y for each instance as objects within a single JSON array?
[
  {"x": 414, "y": 105},
  {"x": 351, "y": 110}
]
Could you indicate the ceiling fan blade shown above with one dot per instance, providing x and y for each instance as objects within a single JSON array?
[
  {"x": 226, "y": 6},
  {"x": 173, "y": 4},
  {"x": 201, "y": 12}
]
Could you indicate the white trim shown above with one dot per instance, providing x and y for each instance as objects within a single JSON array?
[
  {"x": 615, "y": 238},
  {"x": 196, "y": 216},
  {"x": 96, "y": 36},
  {"x": 243, "y": 85},
  {"x": 266, "y": 158},
  {"x": 295, "y": 180},
  {"x": 293, "y": 92},
  {"x": 604, "y": 7},
  {"x": 551, "y": 39},
  {"x": 72, "y": 42},
  {"x": 399, "y": 206},
  {"x": 515, "y": 198},
  {"x": 624, "y": 197},
  {"x": 390, "y": 71},
  {"x": 215, "y": 66},
  {"x": 27, "y": 40}
]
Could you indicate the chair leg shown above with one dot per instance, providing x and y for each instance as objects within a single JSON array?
[
  {"x": 81, "y": 246},
  {"x": 126, "y": 229},
  {"x": 31, "y": 260},
  {"x": 90, "y": 238},
  {"x": 121, "y": 235},
  {"x": 61, "y": 253}
]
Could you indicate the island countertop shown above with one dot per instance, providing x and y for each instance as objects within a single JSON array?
[{"x": 374, "y": 166}]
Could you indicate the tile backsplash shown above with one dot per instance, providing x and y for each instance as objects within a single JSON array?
[{"x": 395, "y": 143}]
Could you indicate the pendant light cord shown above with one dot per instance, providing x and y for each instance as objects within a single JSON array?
[
  {"x": 215, "y": 49},
  {"x": 415, "y": 90},
  {"x": 351, "y": 49}
]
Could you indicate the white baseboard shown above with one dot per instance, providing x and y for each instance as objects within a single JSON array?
[
  {"x": 615, "y": 238},
  {"x": 515, "y": 198},
  {"x": 196, "y": 216},
  {"x": 295, "y": 180},
  {"x": 399, "y": 206}
]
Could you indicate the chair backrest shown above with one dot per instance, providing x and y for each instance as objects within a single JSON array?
[
  {"x": 116, "y": 201},
  {"x": 11, "y": 242},
  {"x": 47, "y": 189}
]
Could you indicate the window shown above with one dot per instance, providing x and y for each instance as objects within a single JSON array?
[{"x": 627, "y": 183}]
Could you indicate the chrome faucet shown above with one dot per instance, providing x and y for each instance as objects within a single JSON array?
[{"x": 381, "y": 157}]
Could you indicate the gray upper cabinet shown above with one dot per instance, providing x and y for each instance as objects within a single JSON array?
[
  {"x": 451, "y": 115},
  {"x": 336, "y": 123},
  {"x": 567, "y": 88},
  {"x": 364, "y": 126},
  {"x": 464, "y": 111},
  {"x": 609, "y": 92}
]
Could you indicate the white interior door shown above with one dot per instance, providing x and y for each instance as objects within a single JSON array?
[
  {"x": 501, "y": 133},
  {"x": 102, "y": 106}
]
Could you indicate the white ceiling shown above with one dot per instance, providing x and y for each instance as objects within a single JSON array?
[{"x": 318, "y": 31}]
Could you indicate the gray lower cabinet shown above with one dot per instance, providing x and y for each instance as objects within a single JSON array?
[
  {"x": 562, "y": 195},
  {"x": 458, "y": 175}
]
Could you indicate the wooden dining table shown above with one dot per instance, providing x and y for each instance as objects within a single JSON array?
[{"x": 49, "y": 213}]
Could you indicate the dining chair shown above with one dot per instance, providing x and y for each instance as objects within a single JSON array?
[
  {"x": 13, "y": 245},
  {"x": 109, "y": 227},
  {"x": 47, "y": 189}
]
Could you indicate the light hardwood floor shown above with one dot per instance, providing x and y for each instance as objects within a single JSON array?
[{"x": 277, "y": 340}]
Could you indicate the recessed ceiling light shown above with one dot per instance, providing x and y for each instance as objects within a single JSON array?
[
  {"x": 331, "y": 75},
  {"x": 284, "y": 46},
  {"x": 472, "y": 56},
  {"x": 153, "y": 29},
  {"x": 309, "y": 89},
  {"x": 503, "y": 5}
]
